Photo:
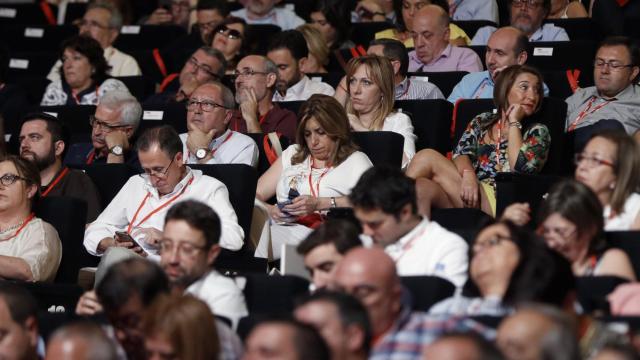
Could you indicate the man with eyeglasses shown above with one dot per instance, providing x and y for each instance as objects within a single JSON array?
[
  {"x": 266, "y": 12},
  {"x": 43, "y": 141},
  {"x": 209, "y": 141},
  {"x": 527, "y": 15},
  {"x": 614, "y": 101},
  {"x": 139, "y": 208},
  {"x": 113, "y": 125},
  {"x": 171, "y": 12},
  {"x": 255, "y": 81},
  {"x": 102, "y": 21}
]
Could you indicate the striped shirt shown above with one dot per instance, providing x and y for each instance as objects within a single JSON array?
[{"x": 417, "y": 89}]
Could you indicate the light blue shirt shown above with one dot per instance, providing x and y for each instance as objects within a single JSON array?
[
  {"x": 476, "y": 10},
  {"x": 285, "y": 18},
  {"x": 478, "y": 85},
  {"x": 548, "y": 32}
]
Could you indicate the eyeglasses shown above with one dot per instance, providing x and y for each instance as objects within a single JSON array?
[
  {"x": 529, "y": 3},
  {"x": 591, "y": 161},
  {"x": 157, "y": 172},
  {"x": 201, "y": 67},
  {"x": 206, "y": 106},
  {"x": 564, "y": 233},
  {"x": 9, "y": 179},
  {"x": 489, "y": 243},
  {"x": 95, "y": 123},
  {"x": 247, "y": 72},
  {"x": 232, "y": 34},
  {"x": 90, "y": 23},
  {"x": 184, "y": 249},
  {"x": 614, "y": 66}
]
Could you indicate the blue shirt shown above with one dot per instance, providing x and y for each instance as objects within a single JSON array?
[
  {"x": 478, "y": 85},
  {"x": 547, "y": 32},
  {"x": 475, "y": 10}
]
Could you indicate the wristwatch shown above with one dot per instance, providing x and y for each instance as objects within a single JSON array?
[
  {"x": 517, "y": 124},
  {"x": 201, "y": 153},
  {"x": 333, "y": 203},
  {"x": 116, "y": 150}
]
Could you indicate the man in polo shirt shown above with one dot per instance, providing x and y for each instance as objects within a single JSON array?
[
  {"x": 208, "y": 141},
  {"x": 474, "y": 10},
  {"x": 265, "y": 12},
  {"x": 615, "y": 98},
  {"x": 527, "y": 15},
  {"x": 433, "y": 52},
  {"x": 384, "y": 200},
  {"x": 256, "y": 78}
]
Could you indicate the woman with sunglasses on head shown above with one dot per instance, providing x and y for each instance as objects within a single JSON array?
[
  {"x": 229, "y": 38},
  {"x": 30, "y": 249}
]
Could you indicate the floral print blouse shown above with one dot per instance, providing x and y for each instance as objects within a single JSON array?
[{"x": 532, "y": 156}]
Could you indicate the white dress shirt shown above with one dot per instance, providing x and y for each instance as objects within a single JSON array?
[
  {"x": 229, "y": 148},
  {"x": 122, "y": 209},
  {"x": 303, "y": 90},
  {"x": 401, "y": 123},
  {"x": 222, "y": 295},
  {"x": 121, "y": 65},
  {"x": 285, "y": 18}
]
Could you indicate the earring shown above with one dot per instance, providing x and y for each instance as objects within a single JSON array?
[{"x": 612, "y": 186}]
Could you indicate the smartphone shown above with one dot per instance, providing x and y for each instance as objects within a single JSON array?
[{"x": 123, "y": 236}]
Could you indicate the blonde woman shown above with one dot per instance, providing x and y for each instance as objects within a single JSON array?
[{"x": 318, "y": 50}]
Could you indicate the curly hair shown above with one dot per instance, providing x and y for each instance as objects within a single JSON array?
[{"x": 94, "y": 53}]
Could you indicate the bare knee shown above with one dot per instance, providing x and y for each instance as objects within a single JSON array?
[{"x": 422, "y": 164}]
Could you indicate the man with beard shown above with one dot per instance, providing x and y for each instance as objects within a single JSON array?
[
  {"x": 255, "y": 80},
  {"x": 265, "y": 12},
  {"x": 288, "y": 50},
  {"x": 43, "y": 140},
  {"x": 527, "y": 15}
]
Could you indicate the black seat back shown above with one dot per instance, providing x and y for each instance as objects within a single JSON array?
[
  {"x": 382, "y": 147},
  {"x": 427, "y": 290}
]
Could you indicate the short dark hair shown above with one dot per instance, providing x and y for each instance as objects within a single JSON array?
[
  {"x": 307, "y": 342},
  {"x": 164, "y": 136},
  {"x": 90, "y": 48},
  {"x": 630, "y": 44},
  {"x": 485, "y": 349},
  {"x": 397, "y": 7},
  {"x": 292, "y": 40},
  {"x": 133, "y": 276},
  {"x": 343, "y": 234},
  {"x": 394, "y": 50},
  {"x": 21, "y": 304},
  {"x": 28, "y": 170},
  {"x": 546, "y": 5},
  {"x": 219, "y": 5},
  {"x": 350, "y": 310},
  {"x": 55, "y": 127},
  {"x": 505, "y": 80},
  {"x": 522, "y": 43},
  {"x": 386, "y": 188},
  {"x": 338, "y": 15},
  {"x": 199, "y": 216}
]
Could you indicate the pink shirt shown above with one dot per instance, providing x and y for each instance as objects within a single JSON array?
[{"x": 452, "y": 58}]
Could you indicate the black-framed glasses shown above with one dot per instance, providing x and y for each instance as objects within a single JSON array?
[
  {"x": 614, "y": 66},
  {"x": 591, "y": 161},
  {"x": 157, "y": 172},
  {"x": 247, "y": 72},
  {"x": 529, "y": 3},
  {"x": 94, "y": 122},
  {"x": 563, "y": 232},
  {"x": 231, "y": 34},
  {"x": 10, "y": 179},
  {"x": 183, "y": 248},
  {"x": 202, "y": 67},
  {"x": 206, "y": 106},
  {"x": 489, "y": 243}
]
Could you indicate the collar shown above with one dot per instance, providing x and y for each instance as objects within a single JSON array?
[
  {"x": 402, "y": 87},
  {"x": 297, "y": 89},
  {"x": 398, "y": 245},
  {"x": 537, "y": 35},
  {"x": 179, "y": 186},
  {"x": 626, "y": 93},
  {"x": 444, "y": 54},
  {"x": 270, "y": 15},
  {"x": 487, "y": 77},
  {"x": 217, "y": 142},
  {"x": 109, "y": 51}
]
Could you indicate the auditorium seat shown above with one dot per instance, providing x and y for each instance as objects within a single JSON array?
[
  {"x": 382, "y": 147},
  {"x": 45, "y": 38},
  {"x": 109, "y": 179},
  {"x": 592, "y": 291},
  {"x": 558, "y": 81},
  {"x": 264, "y": 145},
  {"x": 431, "y": 121},
  {"x": 293, "y": 106},
  {"x": 139, "y": 86},
  {"x": 257, "y": 37},
  {"x": 26, "y": 13},
  {"x": 75, "y": 117},
  {"x": 578, "y": 28},
  {"x": 444, "y": 80},
  {"x": 75, "y": 11},
  {"x": 170, "y": 114},
  {"x": 363, "y": 32},
  {"x": 29, "y": 65},
  {"x": 427, "y": 290},
  {"x": 59, "y": 298},
  {"x": 470, "y": 27},
  {"x": 629, "y": 241},
  {"x": 463, "y": 221},
  {"x": 514, "y": 187},
  {"x": 272, "y": 294},
  {"x": 138, "y": 37}
]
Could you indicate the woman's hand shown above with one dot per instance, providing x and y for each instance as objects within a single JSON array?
[
  {"x": 150, "y": 235},
  {"x": 302, "y": 205},
  {"x": 88, "y": 304},
  {"x": 279, "y": 216},
  {"x": 470, "y": 191},
  {"x": 355, "y": 123},
  {"x": 515, "y": 113},
  {"x": 517, "y": 213}
]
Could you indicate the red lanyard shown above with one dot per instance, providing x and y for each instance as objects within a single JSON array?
[
  {"x": 316, "y": 193},
  {"x": 24, "y": 224},
  {"x": 478, "y": 92},
  {"x": 405, "y": 90},
  {"x": 91, "y": 157},
  {"x": 74, "y": 95},
  {"x": 55, "y": 182},
  {"x": 261, "y": 120},
  {"x": 409, "y": 243},
  {"x": 497, "y": 144},
  {"x": 135, "y": 216},
  {"x": 213, "y": 151},
  {"x": 586, "y": 112}
]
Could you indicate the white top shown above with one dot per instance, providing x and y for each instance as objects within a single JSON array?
[
  {"x": 55, "y": 95},
  {"x": 430, "y": 249},
  {"x": 285, "y": 18},
  {"x": 38, "y": 245},
  {"x": 623, "y": 222},
  {"x": 222, "y": 295},
  {"x": 121, "y": 65},
  {"x": 336, "y": 181},
  {"x": 229, "y": 148},
  {"x": 303, "y": 90},
  {"x": 401, "y": 123},
  {"x": 121, "y": 210}
]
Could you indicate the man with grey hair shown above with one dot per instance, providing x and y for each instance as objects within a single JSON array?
[
  {"x": 116, "y": 119},
  {"x": 209, "y": 141},
  {"x": 102, "y": 21},
  {"x": 255, "y": 79},
  {"x": 81, "y": 340}
]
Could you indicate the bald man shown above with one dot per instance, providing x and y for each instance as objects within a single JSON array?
[
  {"x": 432, "y": 49},
  {"x": 462, "y": 346},
  {"x": 80, "y": 341},
  {"x": 369, "y": 274}
]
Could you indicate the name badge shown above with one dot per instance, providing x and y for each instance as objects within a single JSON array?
[
  {"x": 543, "y": 51},
  {"x": 8, "y": 12},
  {"x": 51, "y": 113},
  {"x": 19, "y": 64},
  {"x": 420, "y": 78},
  {"x": 152, "y": 115},
  {"x": 316, "y": 79},
  {"x": 130, "y": 29},
  {"x": 33, "y": 32}
]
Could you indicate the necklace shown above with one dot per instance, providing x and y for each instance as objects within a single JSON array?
[{"x": 11, "y": 228}]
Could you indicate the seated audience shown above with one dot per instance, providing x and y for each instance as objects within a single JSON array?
[
  {"x": 13, "y": 97},
  {"x": 370, "y": 98},
  {"x": 18, "y": 323},
  {"x": 84, "y": 77},
  {"x": 318, "y": 56},
  {"x": 209, "y": 141},
  {"x": 311, "y": 177},
  {"x": 333, "y": 19},
  {"x": 210, "y": 14},
  {"x": 384, "y": 201},
  {"x": 506, "y": 46},
  {"x": 473, "y": 10},
  {"x": 285, "y": 339},
  {"x": 341, "y": 320},
  {"x": 180, "y": 327},
  {"x": 265, "y": 12},
  {"x": 255, "y": 81},
  {"x": 140, "y": 207},
  {"x": 80, "y": 340},
  {"x": 176, "y": 13},
  {"x": 30, "y": 249},
  {"x": 492, "y": 143},
  {"x": 323, "y": 249},
  {"x": 288, "y": 50},
  {"x": 509, "y": 265},
  {"x": 462, "y": 346},
  {"x": 614, "y": 101},
  {"x": 567, "y": 9},
  {"x": 43, "y": 140},
  {"x": 616, "y": 350},
  {"x": 102, "y": 21},
  {"x": 432, "y": 49},
  {"x": 112, "y": 129},
  {"x": 230, "y": 39},
  {"x": 373, "y": 11},
  {"x": 528, "y": 16}
]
